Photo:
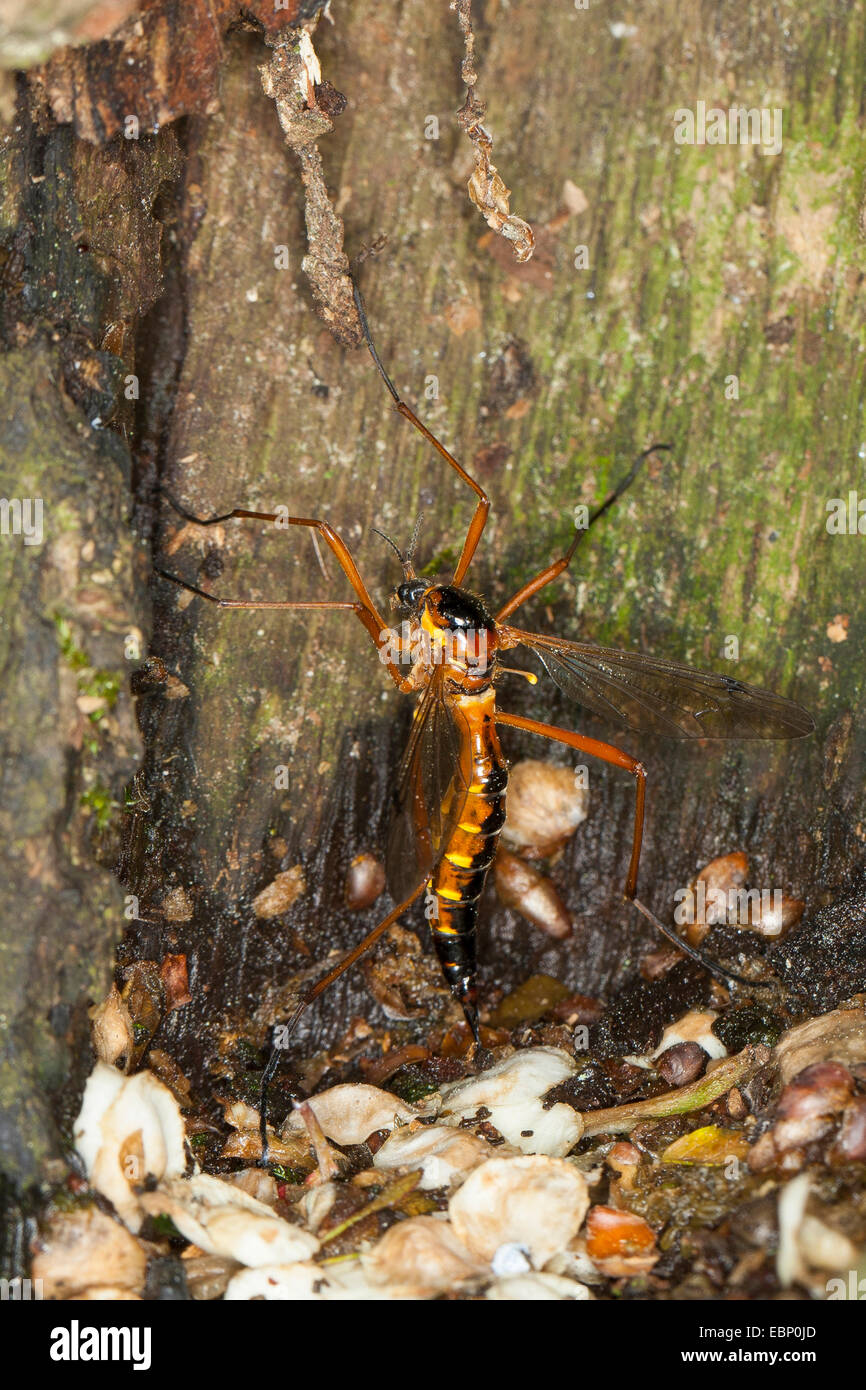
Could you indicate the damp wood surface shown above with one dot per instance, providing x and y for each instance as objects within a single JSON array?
[{"x": 703, "y": 264}]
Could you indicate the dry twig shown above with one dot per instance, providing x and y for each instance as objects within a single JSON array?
[
  {"x": 307, "y": 107},
  {"x": 486, "y": 188}
]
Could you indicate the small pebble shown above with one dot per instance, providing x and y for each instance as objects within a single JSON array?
[
  {"x": 682, "y": 1063},
  {"x": 511, "y": 1259}
]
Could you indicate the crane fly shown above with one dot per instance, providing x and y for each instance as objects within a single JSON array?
[{"x": 451, "y": 786}]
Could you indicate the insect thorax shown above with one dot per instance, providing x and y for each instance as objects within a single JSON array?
[{"x": 461, "y": 633}]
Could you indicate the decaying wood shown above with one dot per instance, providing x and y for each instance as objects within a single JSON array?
[
  {"x": 306, "y": 107},
  {"x": 161, "y": 62}
]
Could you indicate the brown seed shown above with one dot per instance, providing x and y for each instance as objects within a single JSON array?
[
  {"x": 777, "y": 920},
  {"x": 521, "y": 886},
  {"x": 111, "y": 1031},
  {"x": 682, "y": 1063},
  {"x": 735, "y": 1104},
  {"x": 805, "y": 1112},
  {"x": 718, "y": 878},
  {"x": 365, "y": 880},
  {"x": 544, "y": 808},
  {"x": 623, "y": 1159}
]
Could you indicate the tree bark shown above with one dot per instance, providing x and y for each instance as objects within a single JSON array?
[{"x": 720, "y": 311}]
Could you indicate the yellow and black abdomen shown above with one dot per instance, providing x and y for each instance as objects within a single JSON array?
[{"x": 458, "y": 880}]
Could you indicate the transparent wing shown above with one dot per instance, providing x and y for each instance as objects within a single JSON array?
[
  {"x": 651, "y": 695},
  {"x": 430, "y": 792}
]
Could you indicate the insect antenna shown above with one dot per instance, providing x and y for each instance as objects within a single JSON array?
[
  {"x": 706, "y": 962},
  {"x": 410, "y": 553},
  {"x": 368, "y": 339},
  {"x": 622, "y": 486},
  {"x": 406, "y": 557},
  {"x": 398, "y": 552}
]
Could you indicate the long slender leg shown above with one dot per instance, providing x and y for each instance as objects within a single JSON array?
[
  {"x": 365, "y": 608},
  {"x": 479, "y": 517},
  {"x": 345, "y": 963},
  {"x": 554, "y": 570},
  {"x": 325, "y": 530},
  {"x": 608, "y": 754}
]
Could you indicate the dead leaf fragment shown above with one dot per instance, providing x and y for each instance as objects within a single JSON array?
[
  {"x": 176, "y": 906},
  {"x": 111, "y": 1031},
  {"x": 85, "y": 1248},
  {"x": 280, "y": 895},
  {"x": 462, "y": 316},
  {"x": 619, "y": 1243},
  {"x": 174, "y": 976},
  {"x": 574, "y": 199},
  {"x": 711, "y": 1145},
  {"x": 837, "y": 630}
]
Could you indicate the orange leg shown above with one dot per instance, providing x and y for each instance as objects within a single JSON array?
[
  {"x": 313, "y": 993},
  {"x": 554, "y": 570},
  {"x": 365, "y": 608},
  {"x": 479, "y": 517},
  {"x": 608, "y": 754}
]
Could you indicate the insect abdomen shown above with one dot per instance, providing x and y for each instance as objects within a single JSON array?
[{"x": 458, "y": 879}]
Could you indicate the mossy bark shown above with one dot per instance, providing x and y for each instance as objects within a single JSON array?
[{"x": 717, "y": 307}]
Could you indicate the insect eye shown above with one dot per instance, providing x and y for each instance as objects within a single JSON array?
[{"x": 411, "y": 592}]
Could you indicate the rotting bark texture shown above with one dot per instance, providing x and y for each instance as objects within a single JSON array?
[
  {"x": 718, "y": 307},
  {"x": 81, "y": 261}
]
